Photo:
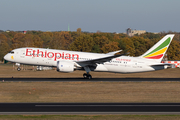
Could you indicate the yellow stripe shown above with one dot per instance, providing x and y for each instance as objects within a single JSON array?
[{"x": 158, "y": 52}]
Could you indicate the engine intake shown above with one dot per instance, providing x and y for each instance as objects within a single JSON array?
[{"x": 65, "y": 66}]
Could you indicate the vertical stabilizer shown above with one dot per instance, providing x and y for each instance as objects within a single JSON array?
[{"x": 157, "y": 52}]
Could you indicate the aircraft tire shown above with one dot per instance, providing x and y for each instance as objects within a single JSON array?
[
  {"x": 18, "y": 69},
  {"x": 85, "y": 75},
  {"x": 89, "y": 77}
]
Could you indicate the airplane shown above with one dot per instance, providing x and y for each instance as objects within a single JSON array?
[{"x": 69, "y": 61}]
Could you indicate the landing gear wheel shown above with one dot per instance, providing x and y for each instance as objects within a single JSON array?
[
  {"x": 85, "y": 75},
  {"x": 18, "y": 69},
  {"x": 88, "y": 76}
]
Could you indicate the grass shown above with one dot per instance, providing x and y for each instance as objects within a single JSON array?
[
  {"x": 7, "y": 71},
  {"x": 90, "y": 117},
  {"x": 90, "y": 92}
]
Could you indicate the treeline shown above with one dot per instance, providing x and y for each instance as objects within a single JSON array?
[{"x": 87, "y": 42}]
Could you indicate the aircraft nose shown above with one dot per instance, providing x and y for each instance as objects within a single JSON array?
[{"x": 5, "y": 57}]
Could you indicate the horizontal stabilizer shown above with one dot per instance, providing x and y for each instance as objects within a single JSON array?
[{"x": 162, "y": 64}]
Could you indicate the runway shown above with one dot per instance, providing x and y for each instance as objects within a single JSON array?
[
  {"x": 90, "y": 108},
  {"x": 94, "y": 79}
]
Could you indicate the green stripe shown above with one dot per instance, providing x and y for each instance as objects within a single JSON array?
[{"x": 164, "y": 44}]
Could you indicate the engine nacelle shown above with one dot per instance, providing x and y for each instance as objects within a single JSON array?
[{"x": 65, "y": 66}]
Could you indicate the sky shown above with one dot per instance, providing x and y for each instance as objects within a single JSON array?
[{"x": 90, "y": 15}]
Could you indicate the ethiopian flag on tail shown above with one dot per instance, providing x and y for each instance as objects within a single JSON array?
[{"x": 159, "y": 49}]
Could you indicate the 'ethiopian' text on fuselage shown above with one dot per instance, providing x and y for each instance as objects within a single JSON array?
[{"x": 49, "y": 54}]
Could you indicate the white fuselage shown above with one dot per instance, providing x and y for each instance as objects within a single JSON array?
[{"x": 49, "y": 57}]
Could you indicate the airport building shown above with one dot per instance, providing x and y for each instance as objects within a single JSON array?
[{"x": 131, "y": 32}]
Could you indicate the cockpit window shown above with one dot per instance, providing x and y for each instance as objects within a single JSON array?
[{"x": 12, "y": 52}]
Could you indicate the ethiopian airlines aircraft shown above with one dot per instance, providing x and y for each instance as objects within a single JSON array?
[{"x": 68, "y": 61}]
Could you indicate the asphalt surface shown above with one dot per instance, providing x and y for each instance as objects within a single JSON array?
[
  {"x": 89, "y": 113},
  {"x": 94, "y": 79},
  {"x": 89, "y": 107}
]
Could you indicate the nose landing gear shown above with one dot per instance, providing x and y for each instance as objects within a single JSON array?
[
  {"x": 18, "y": 64},
  {"x": 18, "y": 69}
]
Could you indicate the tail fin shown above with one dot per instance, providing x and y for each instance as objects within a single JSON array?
[{"x": 157, "y": 52}]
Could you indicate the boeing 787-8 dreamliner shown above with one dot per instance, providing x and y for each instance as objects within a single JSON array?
[{"x": 68, "y": 61}]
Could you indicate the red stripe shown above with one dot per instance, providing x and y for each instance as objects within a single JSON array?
[{"x": 155, "y": 57}]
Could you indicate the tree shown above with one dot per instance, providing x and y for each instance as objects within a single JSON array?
[
  {"x": 60, "y": 40},
  {"x": 27, "y": 41},
  {"x": 96, "y": 49},
  {"x": 67, "y": 40},
  {"x": 101, "y": 41},
  {"x": 174, "y": 52},
  {"x": 141, "y": 45},
  {"x": 119, "y": 36},
  {"x": 82, "y": 43},
  {"x": 112, "y": 46},
  {"x": 127, "y": 45},
  {"x": 46, "y": 38},
  {"x": 79, "y": 30},
  {"x": 18, "y": 40},
  {"x": 37, "y": 41},
  {"x": 2, "y": 37},
  {"x": 56, "y": 41},
  {"x": 4, "y": 47}
]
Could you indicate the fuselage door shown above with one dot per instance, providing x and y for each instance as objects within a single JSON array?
[{"x": 22, "y": 53}]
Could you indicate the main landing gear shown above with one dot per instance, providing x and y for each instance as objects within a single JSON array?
[{"x": 87, "y": 76}]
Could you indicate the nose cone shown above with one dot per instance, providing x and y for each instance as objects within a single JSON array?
[
  {"x": 6, "y": 57},
  {"x": 9, "y": 57}
]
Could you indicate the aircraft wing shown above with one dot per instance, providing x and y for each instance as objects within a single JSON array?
[
  {"x": 112, "y": 53},
  {"x": 98, "y": 61}
]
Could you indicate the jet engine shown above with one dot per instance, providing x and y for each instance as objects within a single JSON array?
[{"x": 65, "y": 66}]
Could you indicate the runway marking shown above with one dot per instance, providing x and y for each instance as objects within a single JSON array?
[{"x": 101, "y": 105}]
